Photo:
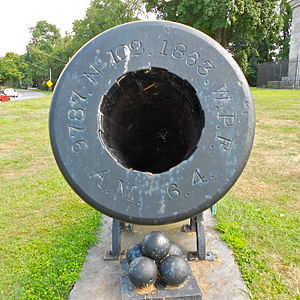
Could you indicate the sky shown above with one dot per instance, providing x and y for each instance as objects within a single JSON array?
[{"x": 16, "y": 16}]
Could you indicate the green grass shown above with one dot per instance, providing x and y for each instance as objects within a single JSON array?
[
  {"x": 260, "y": 217},
  {"x": 45, "y": 229},
  {"x": 46, "y": 92}
]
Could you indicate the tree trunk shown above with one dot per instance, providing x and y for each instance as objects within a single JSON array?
[{"x": 218, "y": 35}]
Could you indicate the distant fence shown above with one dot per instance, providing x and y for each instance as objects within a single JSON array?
[{"x": 282, "y": 73}]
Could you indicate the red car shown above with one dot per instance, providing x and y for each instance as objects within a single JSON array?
[{"x": 4, "y": 97}]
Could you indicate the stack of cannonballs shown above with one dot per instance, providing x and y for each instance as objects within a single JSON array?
[{"x": 156, "y": 258}]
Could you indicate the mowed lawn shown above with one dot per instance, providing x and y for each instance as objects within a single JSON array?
[
  {"x": 260, "y": 217},
  {"x": 46, "y": 230}
]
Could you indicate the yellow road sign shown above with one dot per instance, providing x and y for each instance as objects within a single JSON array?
[{"x": 49, "y": 83}]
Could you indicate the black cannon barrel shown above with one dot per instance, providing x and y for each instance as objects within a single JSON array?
[{"x": 151, "y": 122}]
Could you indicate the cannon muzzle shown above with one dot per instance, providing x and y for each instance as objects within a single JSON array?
[{"x": 151, "y": 122}]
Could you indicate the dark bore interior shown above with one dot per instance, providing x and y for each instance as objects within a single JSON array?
[{"x": 150, "y": 120}]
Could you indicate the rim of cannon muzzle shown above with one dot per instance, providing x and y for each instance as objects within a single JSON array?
[{"x": 151, "y": 122}]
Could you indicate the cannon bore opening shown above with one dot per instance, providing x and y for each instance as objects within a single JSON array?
[{"x": 150, "y": 120}]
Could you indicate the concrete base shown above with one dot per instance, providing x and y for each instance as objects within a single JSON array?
[
  {"x": 285, "y": 84},
  {"x": 220, "y": 279}
]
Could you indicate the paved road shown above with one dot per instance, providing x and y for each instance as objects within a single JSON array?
[{"x": 27, "y": 94}]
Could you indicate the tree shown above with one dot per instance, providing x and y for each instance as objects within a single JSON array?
[
  {"x": 285, "y": 34},
  {"x": 44, "y": 35},
  {"x": 239, "y": 25},
  {"x": 60, "y": 56},
  {"x": 47, "y": 50},
  {"x": 39, "y": 65},
  {"x": 24, "y": 68},
  {"x": 102, "y": 15},
  {"x": 44, "y": 38},
  {"x": 9, "y": 72},
  {"x": 223, "y": 20}
]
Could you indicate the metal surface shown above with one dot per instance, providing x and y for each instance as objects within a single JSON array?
[
  {"x": 175, "y": 249},
  {"x": 197, "y": 226},
  {"x": 200, "y": 254},
  {"x": 115, "y": 251},
  {"x": 100, "y": 279},
  {"x": 200, "y": 237},
  {"x": 156, "y": 245},
  {"x": 133, "y": 252},
  {"x": 183, "y": 189},
  {"x": 192, "y": 226},
  {"x": 142, "y": 272},
  {"x": 190, "y": 290},
  {"x": 174, "y": 270}
]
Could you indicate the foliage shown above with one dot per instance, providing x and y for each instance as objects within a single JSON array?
[
  {"x": 44, "y": 36},
  {"x": 102, "y": 15},
  {"x": 284, "y": 37},
  {"x": 24, "y": 68},
  {"x": 39, "y": 67},
  {"x": 252, "y": 66},
  {"x": 253, "y": 31},
  {"x": 60, "y": 55},
  {"x": 224, "y": 20},
  {"x": 48, "y": 52},
  {"x": 241, "y": 26},
  {"x": 9, "y": 70}
]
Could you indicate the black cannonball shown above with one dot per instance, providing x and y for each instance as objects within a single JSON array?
[
  {"x": 156, "y": 245},
  {"x": 174, "y": 270},
  {"x": 142, "y": 272},
  {"x": 134, "y": 252},
  {"x": 175, "y": 249}
]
